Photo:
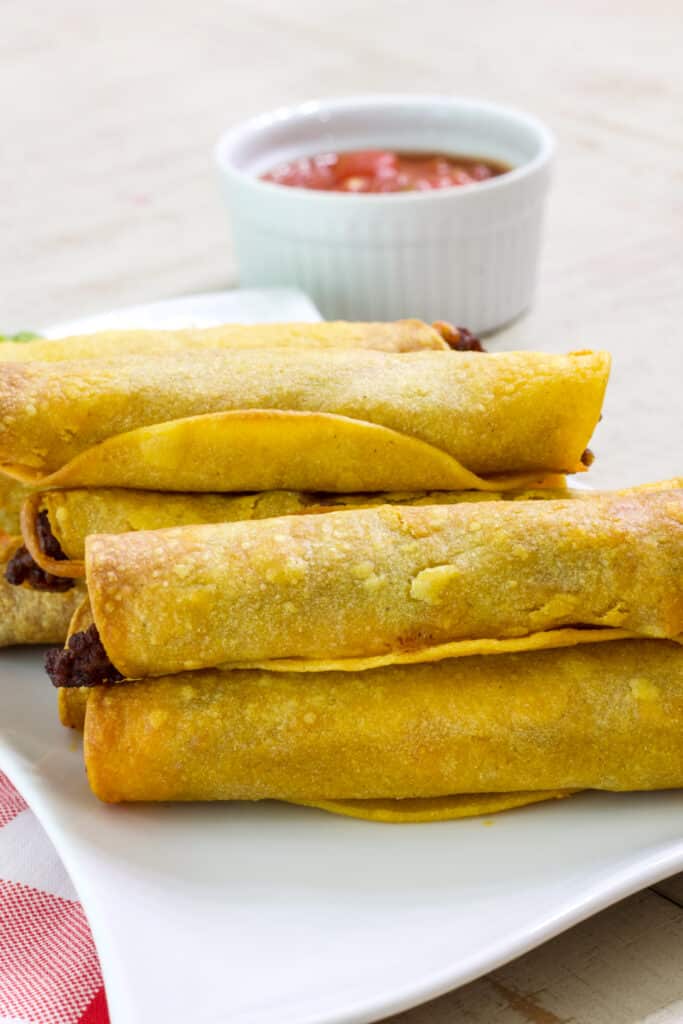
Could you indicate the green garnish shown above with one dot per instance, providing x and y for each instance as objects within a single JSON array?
[{"x": 20, "y": 336}]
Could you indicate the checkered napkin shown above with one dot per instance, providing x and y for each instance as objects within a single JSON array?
[{"x": 49, "y": 971}]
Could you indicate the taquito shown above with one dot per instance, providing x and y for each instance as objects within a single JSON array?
[
  {"x": 604, "y": 716},
  {"x": 29, "y": 616},
  {"x": 393, "y": 336},
  {"x": 340, "y": 421},
  {"x": 374, "y": 586},
  {"x": 68, "y": 517}
]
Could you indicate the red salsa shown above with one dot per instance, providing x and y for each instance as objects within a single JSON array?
[{"x": 379, "y": 170}]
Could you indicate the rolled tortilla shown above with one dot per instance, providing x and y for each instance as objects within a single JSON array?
[
  {"x": 393, "y": 336},
  {"x": 29, "y": 616},
  {"x": 340, "y": 421},
  {"x": 375, "y": 586},
  {"x": 74, "y": 515},
  {"x": 605, "y": 716}
]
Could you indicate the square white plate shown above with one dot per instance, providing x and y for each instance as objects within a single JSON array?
[{"x": 269, "y": 914}]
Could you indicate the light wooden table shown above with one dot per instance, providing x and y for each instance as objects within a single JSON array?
[{"x": 109, "y": 112}]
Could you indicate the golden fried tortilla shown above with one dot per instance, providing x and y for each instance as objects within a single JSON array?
[
  {"x": 392, "y": 336},
  {"x": 340, "y": 421},
  {"x": 601, "y": 716},
  {"x": 73, "y": 515},
  {"x": 373, "y": 586}
]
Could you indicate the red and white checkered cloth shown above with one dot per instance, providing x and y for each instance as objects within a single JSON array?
[{"x": 49, "y": 971}]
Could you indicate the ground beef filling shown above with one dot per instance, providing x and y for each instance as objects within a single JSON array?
[
  {"x": 22, "y": 568},
  {"x": 458, "y": 338},
  {"x": 83, "y": 662}
]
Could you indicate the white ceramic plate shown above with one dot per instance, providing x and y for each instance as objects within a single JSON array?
[{"x": 269, "y": 914}]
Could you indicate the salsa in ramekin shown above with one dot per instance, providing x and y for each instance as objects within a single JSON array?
[{"x": 384, "y": 170}]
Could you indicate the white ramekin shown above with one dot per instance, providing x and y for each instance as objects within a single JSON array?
[{"x": 467, "y": 254}]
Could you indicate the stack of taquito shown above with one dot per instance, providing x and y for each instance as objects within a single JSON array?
[
  {"x": 335, "y": 407},
  {"x": 396, "y": 647}
]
